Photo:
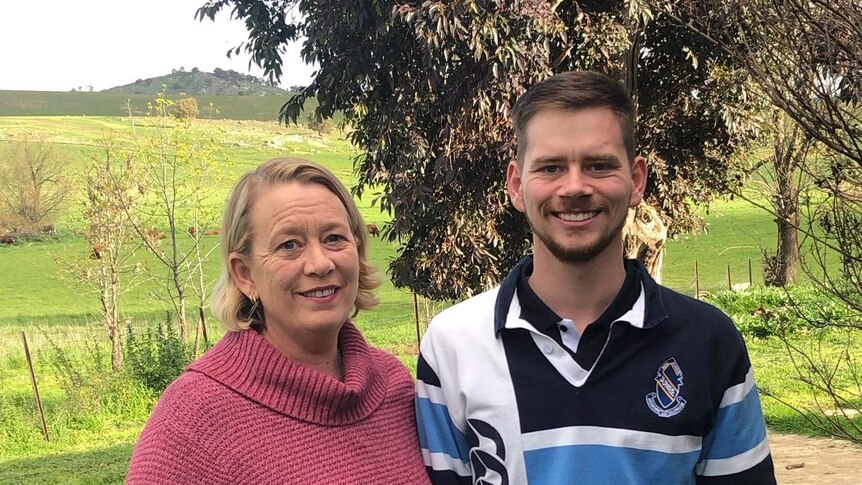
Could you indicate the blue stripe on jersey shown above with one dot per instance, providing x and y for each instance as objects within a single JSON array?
[
  {"x": 738, "y": 428},
  {"x": 576, "y": 464},
  {"x": 437, "y": 432}
]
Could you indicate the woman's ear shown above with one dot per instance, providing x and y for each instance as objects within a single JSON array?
[{"x": 241, "y": 274}]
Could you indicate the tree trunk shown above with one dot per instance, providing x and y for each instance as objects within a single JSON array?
[
  {"x": 109, "y": 298},
  {"x": 184, "y": 330},
  {"x": 116, "y": 347},
  {"x": 790, "y": 148},
  {"x": 644, "y": 238},
  {"x": 787, "y": 219},
  {"x": 788, "y": 250}
]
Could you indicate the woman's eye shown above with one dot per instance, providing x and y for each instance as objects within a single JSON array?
[
  {"x": 334, "y": 238},
  {"x": 289, "y": 245}
]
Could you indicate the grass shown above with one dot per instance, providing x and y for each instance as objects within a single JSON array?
[
  {"x": 93, "y": 431},
  {"x": 51, "y": 103},
  {"x": 781, "y": 388}
]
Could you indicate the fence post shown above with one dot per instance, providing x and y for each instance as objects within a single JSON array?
[
  {"x": 696, "y": 282},
  {"x": 416, "y": 318},
  {"x": 750, "y": 279},
  {"x": 204, "y": 326},
  {"x": 35, "y": 387},
  {"x": 729, "y": 285}
]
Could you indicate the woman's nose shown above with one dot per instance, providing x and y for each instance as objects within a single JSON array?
[{"x": 317, "y": 260}]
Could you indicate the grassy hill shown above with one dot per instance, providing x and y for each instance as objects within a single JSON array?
[
  {"x": 198, "y": 83},
  {"x": 48, "y": 103}
]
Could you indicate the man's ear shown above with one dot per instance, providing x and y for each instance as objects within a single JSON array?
[
  {"x": 639, "y": 180},
  {"x": 241, "y": 274},
  {"x": 513, "y": 185}
]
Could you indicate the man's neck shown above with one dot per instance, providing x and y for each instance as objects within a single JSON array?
[{"x": 580, "y": 292}]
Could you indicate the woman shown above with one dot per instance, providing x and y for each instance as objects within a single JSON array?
[{"x": 292, "y": 393}]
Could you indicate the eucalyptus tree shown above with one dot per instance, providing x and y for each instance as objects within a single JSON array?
[{"x": 427, "y": 87}]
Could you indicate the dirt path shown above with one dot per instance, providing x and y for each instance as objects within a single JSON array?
[{"x": 823, "y": 460}]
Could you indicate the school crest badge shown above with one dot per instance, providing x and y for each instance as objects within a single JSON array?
[{"x": 666, "y": 401}]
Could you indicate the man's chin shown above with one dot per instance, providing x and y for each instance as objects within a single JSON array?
[{"x": 576, "y": 254}]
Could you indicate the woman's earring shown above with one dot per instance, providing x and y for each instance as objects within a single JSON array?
[{"x": 253, "y": 310}]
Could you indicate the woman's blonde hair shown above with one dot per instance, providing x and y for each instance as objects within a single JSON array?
[{"x": 233, "y": 308}]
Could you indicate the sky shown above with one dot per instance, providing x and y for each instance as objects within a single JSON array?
[{"x": 58, "y": 45}]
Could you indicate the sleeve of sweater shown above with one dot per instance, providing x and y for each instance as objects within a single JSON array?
[
  {"x": 169, "y": 452},
  {"x": 164, "y": 455}
]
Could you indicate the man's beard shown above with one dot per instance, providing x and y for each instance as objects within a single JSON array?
[{"x": 581, "y": 254}]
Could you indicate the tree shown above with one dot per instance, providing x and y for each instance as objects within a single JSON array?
[
  {"x": 177, "y": 173},
  {"x": 186, "y": 108},
  {"x": 107, "y": 267},
  {"x": 428, "y": 88},
  {"x": 33, "y": 185},
  {"x": 777, "y": 176},
  {"x": 806, "y": 59},
  {"x": 785, "y": 180}
]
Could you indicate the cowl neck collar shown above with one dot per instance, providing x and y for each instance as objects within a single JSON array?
[{"x": 246, "y": 363}]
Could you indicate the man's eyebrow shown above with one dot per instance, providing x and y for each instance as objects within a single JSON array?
[
  {"x": 602, "y": 157},
  {"x": 548, "y": 159}
]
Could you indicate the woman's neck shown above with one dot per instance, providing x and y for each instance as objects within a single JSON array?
[{"x": 317, "y": 352}]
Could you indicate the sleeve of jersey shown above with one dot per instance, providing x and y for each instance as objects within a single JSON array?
[
  {"x": 444, "y": 445},
  {"x": 736, "y": 451}
]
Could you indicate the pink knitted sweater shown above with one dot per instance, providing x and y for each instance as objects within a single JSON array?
[{"x": 245, "y": 413}]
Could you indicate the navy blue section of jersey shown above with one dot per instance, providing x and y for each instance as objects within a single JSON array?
[
  {"x": 761, "y": 474},
  {"x": 533, "y": 309},
  {"x": 615, "y": 395},
  {"x": 447, "y": 477},
  {"x": 426, "y": 373},
  {"x": 488, "y": 468}
]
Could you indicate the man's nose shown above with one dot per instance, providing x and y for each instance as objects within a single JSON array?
[{"x": 575, "y": 183}]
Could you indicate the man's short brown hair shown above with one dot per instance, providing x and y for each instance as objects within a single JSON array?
[{"x": 571, "y": 91}]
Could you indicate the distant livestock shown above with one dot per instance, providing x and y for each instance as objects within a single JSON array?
[
  {"x": 96, "y": 253},
  {"x": 155, "y": 235},
  {"x": 49, "y": 230},
  {"x": 193, "y": 231},
  {"x": 373, "y": 230}
]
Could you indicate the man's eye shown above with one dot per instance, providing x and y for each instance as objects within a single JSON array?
[
  {"x": 551, "y": 169},
  {"x": 600, "y": 167}
]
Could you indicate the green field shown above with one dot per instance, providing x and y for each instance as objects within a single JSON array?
[
  {"x": 52, "y": 103},
  {"x": 92, "y": 431}
]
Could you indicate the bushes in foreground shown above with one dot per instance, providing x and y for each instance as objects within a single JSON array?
[
  {"x": 157, "y": 356},
  {"x": 82, "y": 396},
  {"x": 761, "y": 312}
]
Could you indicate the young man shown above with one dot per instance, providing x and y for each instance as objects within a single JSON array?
[{"x": 579, "y": 368}]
